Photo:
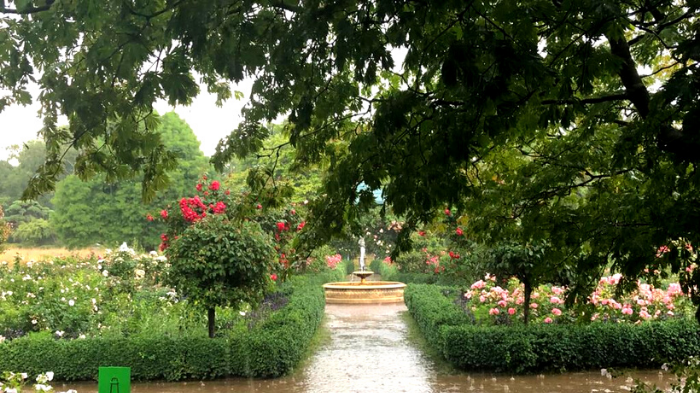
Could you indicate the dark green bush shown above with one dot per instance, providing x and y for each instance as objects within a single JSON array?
[
  {"x": 391, "y": 273},
  {"x": 269, "y": 350},
  {"x": 376, "y": 265},
  {"x": 349, "y": 266},
  {"x": 537, "y": 348}
]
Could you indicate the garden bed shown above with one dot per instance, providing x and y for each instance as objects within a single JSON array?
[
  {"x": 545, "y": 347},
  {"x": 255, "y": 346}
]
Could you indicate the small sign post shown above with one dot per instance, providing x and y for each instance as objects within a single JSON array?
[{"x": 114, "y": 380}]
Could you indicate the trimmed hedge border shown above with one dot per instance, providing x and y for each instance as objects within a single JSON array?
[
  {"x": 537, "y": 348},
  {"x": 271, "y": 349},
  {"x": 390, "y": 273}
]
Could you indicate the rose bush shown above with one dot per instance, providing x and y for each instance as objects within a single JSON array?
[{"x": 489, "y": 303}]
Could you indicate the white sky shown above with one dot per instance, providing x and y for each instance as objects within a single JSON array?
[{"x": 210, "y": 123}]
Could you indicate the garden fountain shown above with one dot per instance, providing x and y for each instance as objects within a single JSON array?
[{"x": 364, "y": 292}]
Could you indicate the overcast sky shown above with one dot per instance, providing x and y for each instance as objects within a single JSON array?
[{"x": 210, "y": 123}]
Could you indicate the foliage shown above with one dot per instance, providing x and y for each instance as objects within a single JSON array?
[
  {"x": 35, "y": 232},
  {"x": 390, "y": 272},
  {"x": 221, "y": 263},
  {"x": 688, "y": 378},
  {"x": 99, "y": 211},
  {"x": 4, "y": 229},
  {"x": 25, "y": 211},
  {"x": 19, "y": 167},
  {"x": 523, "y": 112},
  {"x": 542, "y": 347},
  {"x": 12, "y": 382},
  {"x": 271, "y": 348},
  {"x": 69, "y": 298}
]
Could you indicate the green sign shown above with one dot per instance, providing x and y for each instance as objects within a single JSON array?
[{"x": 114, "y": 380}]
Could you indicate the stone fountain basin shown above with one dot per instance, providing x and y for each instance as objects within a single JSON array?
[{"x": 369, "y": 292}]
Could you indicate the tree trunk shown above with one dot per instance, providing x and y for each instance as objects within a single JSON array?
[
  {"x": 526, "y": 303},
  {"x": 211, "y": 317}
]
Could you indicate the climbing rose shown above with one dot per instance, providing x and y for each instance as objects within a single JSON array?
[
  {"x": 293, "y": 212},
  {"x": 164, "y": 214},
  {"x": 454, "y": 255},
  {"x": 421, "y": 233},
  {"x": 214, "y": 186},
  {"x": 511, "y": 311},
  {"x": 273, "y": 276},
  {"x": 556, "y": 311},
  {"x": 494, "y": 311},
  {"x": 227, "y": 192},
  {"x": 534, "y": 305},
  {"x": 301, "y": 225},
  {"x": 459, "y": 232},
  {"x": 548, "y": 320},
  {"x": 149, "y": 217},
  {"x": 199, "y": 187},
  {"x": 280, "y": 226},
  {"x": 259, "y": 206},
  {"x": 447, "y": 212}
]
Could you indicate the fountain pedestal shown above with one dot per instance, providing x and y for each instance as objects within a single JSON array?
[{"x": 364, "y": 292}]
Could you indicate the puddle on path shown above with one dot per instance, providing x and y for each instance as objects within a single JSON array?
[{"x": 369, "y": 351}]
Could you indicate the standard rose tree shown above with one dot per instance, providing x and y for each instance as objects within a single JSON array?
[
  {"x": 226, "y": 249},
  {"x": 221, "y": 262}
]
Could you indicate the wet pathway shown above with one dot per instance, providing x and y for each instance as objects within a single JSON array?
[{"x": 368, "y": 350}]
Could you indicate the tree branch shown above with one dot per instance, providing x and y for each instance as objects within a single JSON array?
[
  {"x": 592, "y": 100},
  {"x": 637, "y": 92}
]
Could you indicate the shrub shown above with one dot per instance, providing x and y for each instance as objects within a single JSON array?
[
  {"x": 538, "y": 347},
  {"x": 348, "y": 266}
]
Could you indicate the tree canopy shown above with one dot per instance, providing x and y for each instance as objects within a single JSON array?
[{"x": 575, "y": 120}]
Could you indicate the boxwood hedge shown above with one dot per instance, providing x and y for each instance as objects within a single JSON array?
[
  {"x": 536, "y": 348},
  {"x": 270, "y": 349}
]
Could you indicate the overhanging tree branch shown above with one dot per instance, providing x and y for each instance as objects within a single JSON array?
[
  {"x": 637, "y": 92},
  {"x": 591, "y": 100}
]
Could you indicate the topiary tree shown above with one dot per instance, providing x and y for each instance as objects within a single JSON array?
[
  {"x": 225, "y": 249},
  {"x": 221, "y": 262}
]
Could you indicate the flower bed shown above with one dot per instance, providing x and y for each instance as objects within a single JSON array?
[
  {"x": 489, "y": 303},
  {"x": 543, "y": 346},
  {"x": 271, "y": 349}
]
